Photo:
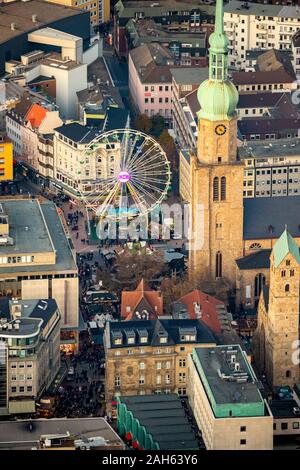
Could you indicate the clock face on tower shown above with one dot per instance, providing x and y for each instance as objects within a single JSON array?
[{"x": 220, "y": 129}]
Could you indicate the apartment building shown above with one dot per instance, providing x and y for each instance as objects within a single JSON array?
[
  {"x": 272, "y": 169},
  {"x": 296, "y": 53},
  {"x": 81, "y": 165},
  {"x": 6, "y": 159},
  {"x": 252, "y": 25},
  {"x": 185, "y": 81},
  {"x": 37, "y": 261},
  {"x": 30, "y": 352},
  {"x": 226, "y": 401},
  {"x": 150, "y": 80},
  {"x": 150, "y": 356}
]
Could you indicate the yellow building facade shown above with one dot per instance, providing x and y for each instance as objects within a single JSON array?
[
  {"x": 99, "y": 9},
  {"x": 6, "y": 161}
]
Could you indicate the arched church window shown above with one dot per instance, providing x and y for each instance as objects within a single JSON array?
[
  {"x": 288, "y": 374},
  {"x": 223, "y": 188},
  {"x": 219, "y": 227},
  {"x": 283, "y": 273},
  {"x": 292, "y": 272},
  {"x": 216, "y": 189},
  {"x": 287, "y": 288},
  {"x": 218, "y": 264},
  {"x": 259, "y": 282},
  {"x": 255, "y": 246}
]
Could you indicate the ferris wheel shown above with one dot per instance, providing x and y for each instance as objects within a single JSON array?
[{"x": 131, "y": 174}]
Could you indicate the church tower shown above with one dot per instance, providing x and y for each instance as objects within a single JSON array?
[
  {"x": 216, "y": 175},
  {"x": 277, "y": 333}
]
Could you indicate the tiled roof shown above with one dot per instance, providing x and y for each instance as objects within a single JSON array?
[
  {"x": 35, "y": 115},
  {"x": 256, "y": 260},
  {"x": 141, "y": 299},
  {"x": 208, "y": 306}
]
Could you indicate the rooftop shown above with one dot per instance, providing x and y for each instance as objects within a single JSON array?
[
  {"x": 77, "y": 132},
  {"x": 189, "y": 75},
  {"x": 259, "y": 9},
  {"x": 229, "y": 380},
  {"x": 257, "y": 78},
  {"x": 152, "y": 62},
  {"x": 153, "y": 330},
  {"x": 284, "y": 246},
  {"x": 25, "y": 434},
  {"x": 45, "y": 234},
  {"x": 56, "y": 61},
  {"x": 266, "y": 149},
  {"x": 20, "y": 13},
  {"x": 35, "y": 315},
  {"x": 265, "y": 220},
  {"x": 164, "y": 417}
]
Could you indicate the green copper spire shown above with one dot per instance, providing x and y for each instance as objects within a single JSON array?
[
  {"x": 285, "y": 245},
  {"x": 217, "y": 96}
]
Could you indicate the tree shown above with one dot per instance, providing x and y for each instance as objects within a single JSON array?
[
  {"x": 168, "y": 145},
  {"x": 158, "y": 125},
  {"x": 143, "y": 123}
]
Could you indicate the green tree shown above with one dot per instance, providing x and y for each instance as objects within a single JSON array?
[
  {"x": 168, "y": 145},
  {"x": 158, "y": 125},
  {"x": 143, "y": 123}
]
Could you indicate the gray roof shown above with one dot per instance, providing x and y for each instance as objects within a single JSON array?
[
  {"x": 265, "y": 148},
  {"x": 265, "y": 218},
  {"x": 35, "y": 236},
  {"x": 189, "y": 75},
  {"x": 260, "y": 9},
  {"x": 27, "y": 228},
  {"x": 77, "y": 132},
  {"x": 164, "y": 418},
  {"x": 17, "y": 434},
  {"x": 257, "y": 260},
  {"x": 170, "y": 328},
  {"x": 226, "y": 391},
  {"x": 21, "y": 13}
]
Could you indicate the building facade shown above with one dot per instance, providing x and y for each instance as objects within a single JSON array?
[
  {"x": 144, "y": 357},
  {"x": 92, "y": 6},
  {"x": 254, "y": 26},
  {"x": 226, "y": 401},
  {"x": 6, "y": 159},
  {"x": 37, "y": 261},
  {"x": 277, "y": 334},
  {"x": 30, "y": 342}
]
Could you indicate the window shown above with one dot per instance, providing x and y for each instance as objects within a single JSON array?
[
  {"x": 13, "y": 389},
  {"x": 21, "y": 389},
  {"x": 295, "y": 425},
  {"x": 158, "y": 380},
  {"x": 292, "y": 272},
  {"x": 182, "y": 377},
  {"x": 259, "y": 282},
  {"x": 287, "y": 288},
  {"x": 288, "y": 374},
  {"x": 243, "y": 442},
  {"x": 29, "y": 388},
  {"x": 142, "y": 365},
  {"x": 283, "y": 273},
  {"x": 284, "y": 426},
  {"x": 142, "y": 380},
  {"x": 243, "y": 428},
  {"x": 216, "y": 189},
  {"x": 117, "y": 381},
  {"x": 288, "y": 262},
  {"x": 158, "y": 365},
  {"x": 223, "y": 188},
  {"x": 218, "y": 264},
  {"x": 182, "y": 362},
  {"x": 168, "y": 365}
]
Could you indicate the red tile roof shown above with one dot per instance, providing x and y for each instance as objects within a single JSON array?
[
  {"x": 208, "y": 305},
  {"x": 144, "y": 298},
  {"x": 36, "y": 114}
]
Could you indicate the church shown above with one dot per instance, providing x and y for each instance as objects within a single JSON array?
[{"x": 231, "y": 238}]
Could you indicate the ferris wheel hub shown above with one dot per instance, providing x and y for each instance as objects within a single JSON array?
[{"x": 123, "y": 176}]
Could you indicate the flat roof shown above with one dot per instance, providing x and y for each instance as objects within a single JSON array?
[
  {"x": 54, "y": 34},
  {"x": 275, "y": 148},
  {"x": 18, "y": 435},
  {"x": 260, "y": 9},
  {"x": 216, "y": 365},
  {"x": 20, "y": 13},
  {"x": 56, "y": 61},
  {"x": 189, "y": 75},
  {"x": 37, "y": 228},
  {"x": 27, "y": 227}
]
